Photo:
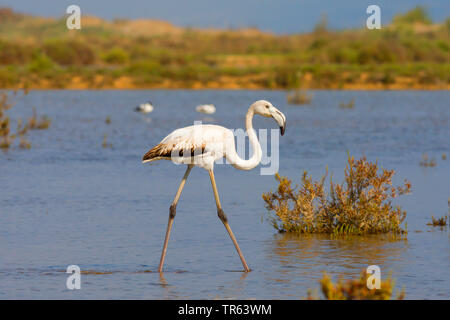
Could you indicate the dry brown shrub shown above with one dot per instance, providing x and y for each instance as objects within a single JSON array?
[
  {"x": 356, "y": 289},
  {"x": 362, "y": 204}
]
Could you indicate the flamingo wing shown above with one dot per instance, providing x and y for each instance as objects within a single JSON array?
[{"x": 193, "y": 140}]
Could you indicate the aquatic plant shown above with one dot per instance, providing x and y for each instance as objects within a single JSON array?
[
  {"x": 427, "y": 162},
  {"x": 299, "y": 97},
  {"x": 7, "y": 138},
  {"x": 108, "y": 120},
  {"x": 355, "y": 289},
  {"x": 34, "y": 123},
  {"x": 441, "y": 222},
  {"x": 444, "y": 156},
  {"x": 362, "y": 204},
  {"x": 105, "y": 143},
  {"x": 349, "y": 105},
  {"x": 21, "y": 132}
]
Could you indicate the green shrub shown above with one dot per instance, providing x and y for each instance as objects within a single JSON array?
[
  {"x": 116, "y": 56},
  {"x": 69, "y": 52},
  {"x": 40, "y": 63},
  {"x": 418, "y": 14}
]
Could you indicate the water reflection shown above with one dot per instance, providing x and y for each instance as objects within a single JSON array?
[{"x": 346, "y": 256}]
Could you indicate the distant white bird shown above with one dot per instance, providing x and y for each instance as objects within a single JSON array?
[
  {"x": 145, "y": 107},
  {"x": 201, "y": 146},
  {"x": 206, "y": 108}
]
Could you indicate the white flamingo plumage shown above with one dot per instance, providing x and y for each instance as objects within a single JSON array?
[
  {"x": 201, "y": 146},
  {"x": 206, "y": 108}
]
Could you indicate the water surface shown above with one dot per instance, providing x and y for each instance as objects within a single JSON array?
[{"x": 68, "y": 200}]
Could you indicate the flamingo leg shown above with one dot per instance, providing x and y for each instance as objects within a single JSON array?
[
  {"x": 172, "y": 213},
  {"x": 224, "y": 220}
]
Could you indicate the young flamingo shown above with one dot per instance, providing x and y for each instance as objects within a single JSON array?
[{"x": 201, "y": 146}]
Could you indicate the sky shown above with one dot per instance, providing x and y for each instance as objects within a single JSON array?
[{"x": 278, "y": 16}]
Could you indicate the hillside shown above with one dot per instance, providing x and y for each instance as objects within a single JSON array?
[{"x": 410, "y": 53}]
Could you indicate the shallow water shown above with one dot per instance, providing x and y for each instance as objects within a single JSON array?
[{"x": 68, "y": 200}]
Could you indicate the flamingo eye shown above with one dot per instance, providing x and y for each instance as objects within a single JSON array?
[{"x": 267, "y": 106}]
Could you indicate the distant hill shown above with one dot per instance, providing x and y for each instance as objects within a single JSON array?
[{"x": 412, "y": 52}]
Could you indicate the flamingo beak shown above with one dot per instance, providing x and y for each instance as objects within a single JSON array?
[
  {"x": 283, "y": 128},
  {"x": 280, "y": 119}
]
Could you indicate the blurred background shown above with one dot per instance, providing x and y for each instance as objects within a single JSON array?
[{"x": 237, "y": 44}]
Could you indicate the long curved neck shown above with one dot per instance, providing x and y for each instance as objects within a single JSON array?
[{"x": 255, "y": 159}]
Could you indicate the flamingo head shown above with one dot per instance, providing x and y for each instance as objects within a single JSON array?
[{"x": 266, "y": 109}]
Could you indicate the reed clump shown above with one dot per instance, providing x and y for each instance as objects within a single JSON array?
[
  {"x": 299, "y": 97},
  {"x": 427, "y": 162},
  {"x": 105, "y": 143},
  {"x": 21, "y": 133},
  {"x": 362, "y": 204},
  {"x": 348, "y": 105},
  {"x": 7, "y": 137},
  {"x": 441, "y": 222},
  {"x": 35, "y": 123},
  {"x": 356, "y": 289}
]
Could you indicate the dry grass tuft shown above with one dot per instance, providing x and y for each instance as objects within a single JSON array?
[
  {"x": 360, "y": 205},
  {"x": 7, "y": 138},
  {"x": 299, "y": 97},
  {"x": 356, "y": 289},
  {"x": 441, "y": 222},
  {"x": 34, "y": 123},
  {"x": 427, "y": 162},
  {"x": 349, "y": 105},
  {"x": 105, "y": 143}
]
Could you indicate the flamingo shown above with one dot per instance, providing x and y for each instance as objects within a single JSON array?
[
  {"x": 206, "y": 108},
  {"x": 145, "y": 107},
  {"x": 201, "y": 146}
]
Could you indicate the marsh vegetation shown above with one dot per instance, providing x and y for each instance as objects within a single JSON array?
[
  {"x": 410, "y": 52},
  {"x": 299, "y": 97},
  {"x": 349, "y": 105},
  {"x": 362, "y": 204},
  {"x": 356, "y": 289},
  {"x": 7, "y": 136},
  {"x": 427, "y": 161},
  {"x": 439, "y": 222}
]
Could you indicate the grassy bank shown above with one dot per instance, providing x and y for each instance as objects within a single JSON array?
[{"x": 410, "y": 53}]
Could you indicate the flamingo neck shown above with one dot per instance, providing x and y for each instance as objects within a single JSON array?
[{"x": 255, "y": 159}]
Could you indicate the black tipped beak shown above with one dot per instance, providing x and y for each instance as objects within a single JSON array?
[{"x": 282, "y": 129}]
